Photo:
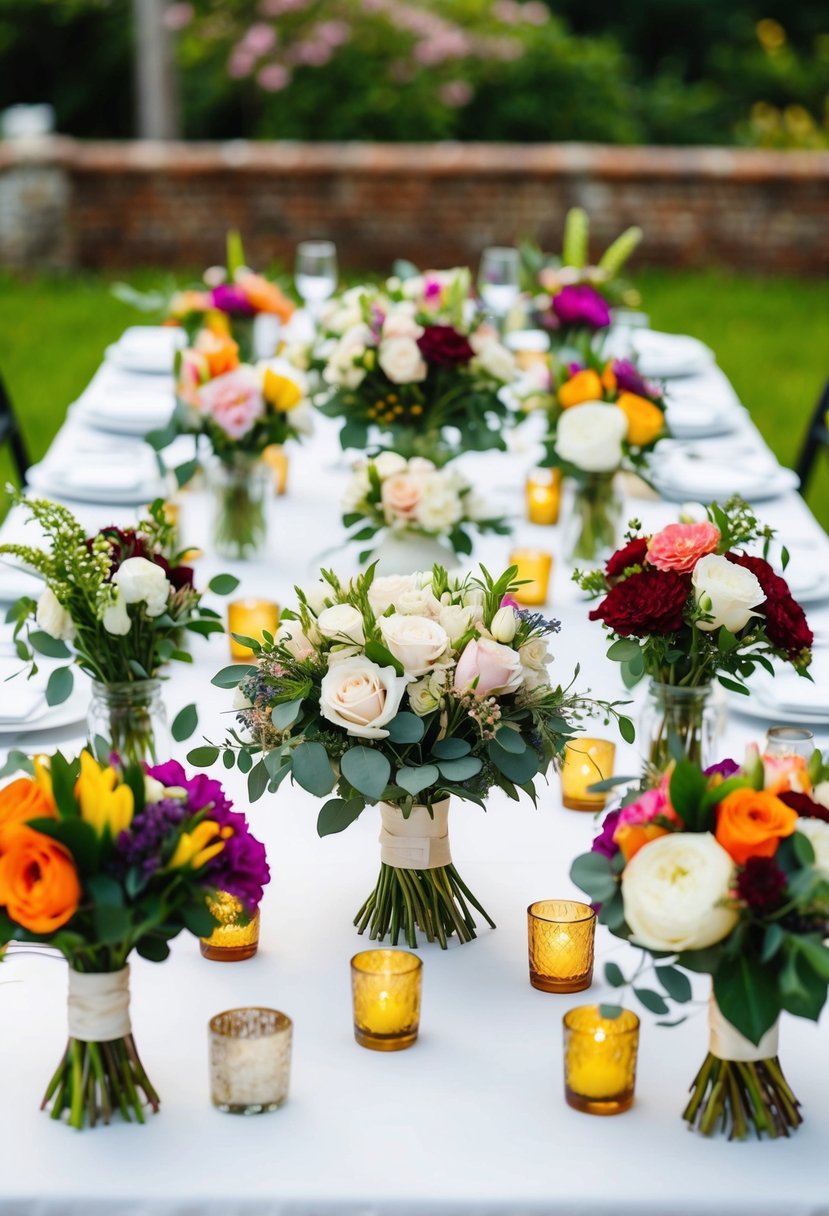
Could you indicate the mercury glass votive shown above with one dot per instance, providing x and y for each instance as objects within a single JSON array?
[
  {"x": 600, "y": 1060},
  {"x": 236, "y": 937},
  {"x": 534, "y": 567},
  {"x": 385, "y": 989},
  {"x": 543, "y": 496},
  {"x": 250, "y": 618},
  {"x": 790, "y": 741},
  {"x": 560, "y": 937},
  {"x": 586, "y": 761},
  {"x": 276, "y": 458},
  {"x": 250, "y": 1060}
]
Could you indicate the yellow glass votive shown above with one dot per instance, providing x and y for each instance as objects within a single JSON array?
[
  {"x": 236, "y": 937},
  {"x": 560, "y": 937},
  {"x": 250, "y": 618},
  {"x": 586, "y": 761},
  {"x": 250, "y": 1060},
  {"x": 385, "y": 988},
  {"x": 276, "y": 458},
  {"x": 600, "y": 1060},
  {"x": 534, "y": 566},
  {"x": 543, "y": 495}
]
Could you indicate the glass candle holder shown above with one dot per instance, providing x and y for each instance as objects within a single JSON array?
[
  {"x": 586, "y": 761},
  {"x": 385, "y": 988},
  {"x": 250, "y": 618},
  {"x": 276, "y": 458},
  {"x": 600, "y": 1060},
  {"x": 790, "y": 741},
  {"x": 250, "y": 1060},
  {"x": 534, "y": 566},
  {"x": 236, "y": 937},
  {"x": 560, "y": 936},
  {"x": 543, "y": 496}
]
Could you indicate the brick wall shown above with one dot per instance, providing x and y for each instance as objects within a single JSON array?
[{"x": 127, "y": 204}]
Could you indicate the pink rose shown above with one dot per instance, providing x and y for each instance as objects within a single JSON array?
[
  {"x": 233, "y": 401},
  {"x": 401, "y": 496},
  {"x": 680, "y": 546},
  {"x": 496, "y": 668},
  {"x": 647, "y": 807}
]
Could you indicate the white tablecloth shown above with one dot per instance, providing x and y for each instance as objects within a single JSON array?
[{"x": 472, "y": 1119}]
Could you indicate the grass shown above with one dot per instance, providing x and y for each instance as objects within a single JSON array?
[{"x": 771, "y": 337}]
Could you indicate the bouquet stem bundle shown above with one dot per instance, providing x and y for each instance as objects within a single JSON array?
[
  {"x": 95, "y": 1079},
  {"x": 738, "y": 1096},
  {"x": 434, "y": 901}
]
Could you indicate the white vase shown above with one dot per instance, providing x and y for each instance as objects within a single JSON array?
[{"x": 406, "y": 552}]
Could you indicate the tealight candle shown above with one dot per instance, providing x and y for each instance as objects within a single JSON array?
[
  {"x": 560, "y": 936},
  {"x": 586, "y": 761},
  {"x": 250, "y": 618},
  {"x": 236, "y": 937},
  {"x": 276, "y": 458},
  {"x": 543, "y": 495},
  {"x": 534, "y": 566},
  {"x": 790, "y": 741},
  {"x": 600, "y": 1060},
  {"x": 250, "y": 1060},
  {"x": 385, "y": 987}
]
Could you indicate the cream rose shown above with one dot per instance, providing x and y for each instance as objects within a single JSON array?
[
  {"x": 727, "y": 592},
  {"x": 53, "y": 618},
  {"x": 419, "y": 601},
  {"x": 401, "y": 495},
  {"x": 357, "y": 491},
  {"x": 317, "y": 594},
  {"x": 817, "y": 833},
  {"x": 673, "y": 891},
  {"x": 401, "y": 360},
  {"x": 341, "y": 368},
  {"x": 361, "y": 697},
  {"x": 456, "y": 620},
  {"x": 440, "y": 506},
  {"x": 401, "y": 324},
  {"x": 497, "y": 361},
  {"x": 387, "y": 590},
  {"x": 389, "y": 463},
  {"x": 487, "y": 668},
  {"x": 535, "y": 656},
  {"x": 415, "y": 641},
  {"x": 342, "y": 623},
  {"x": 590, "y": 436},
  {"x": 142, "y": 581}
]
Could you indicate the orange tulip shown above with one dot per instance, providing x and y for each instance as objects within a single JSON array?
[
  {"x": 751, "y": 823},
  {"x": 219, "y": 350},
  {"x": 646, "y": 421},
  {"x": 267, "y": 297},
  {"x": 24, "y": 799},
  {"x": 39, "y": 885},
  {"x": 631, "y": 837},
  {"x": 584, "y": 386}
]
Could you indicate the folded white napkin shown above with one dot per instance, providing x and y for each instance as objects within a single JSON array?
[
  {"x": 140, "y": 338},
  {"x": 103, "y": 475},
  {"x": 19, "y": 698},
  {"x": 15, "y": 582}
]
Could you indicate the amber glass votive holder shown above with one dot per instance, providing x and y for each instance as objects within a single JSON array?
[
  {"x": 236, "y": 937},
  {"x": 543, "y": 495},
  {"x": 250, "y": 618},
  {"x": 586, "y": 761},
  {"x": 276, "y": 458},
  {"x": 385, "y": 989},
  {"x": 560, "y": 937},
  {"x": 600, "y": 1060},
  {"x": 534, "y": 567},
  {"x": 250, "y": 1060}
]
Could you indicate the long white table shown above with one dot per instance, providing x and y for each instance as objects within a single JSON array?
[{"x": 472, "y": 1119}]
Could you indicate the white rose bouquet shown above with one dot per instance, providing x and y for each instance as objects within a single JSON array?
[
  {"x": 390, "y": 495},
  {"x": 725, "y": 871},
  {"x": 403, "y": 691}
]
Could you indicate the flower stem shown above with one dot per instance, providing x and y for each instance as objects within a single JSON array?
[
  {"x": 433, "y": 901},
  {"x": 738, "y": 1097}
]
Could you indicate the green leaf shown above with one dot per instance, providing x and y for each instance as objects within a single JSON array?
[
  {"x": 624, "y": 651},
  {"x": 44, "y": 643},
  {"x": 138, "y": 669},
  {"x": 244, "y": 761},
  {"x": 231, "y": 677},
  {"x": 675, "y": 982},
  {"x": 688, "y": 788},
  {"x": 511, "y": 740},
  {"x": 203, "y": 757},
  {"x": 451, "y": 749},
  {"x": 223, "y": 584},
  {"x": 162, "y": 438},
  {"x": 460, "y": 770},
  {"x": 772, "y": 941},
  {"x": 367, "y": 770},
  {"x": 354, "y": 435},
  {"x": 153, "y": 947},
  {"x": 613, "y": 975},
  {"x": 651, "y": 1000},
  {"x": 286, "y": 714},
  {"x": 185, "y": 472},
  {"x": 112, "y": 924},
  {"x": 732, "y": 685},
  {"x": 184, "y": 723},
  {"x": 258, "y": 778},
  {"x": 519, "y": 768},
  {"x": 228, "y": 760},
  {"x": 611, "y": 1012},
  {"x": 105, "y": 890},
  {"x": 337, "y": 814},
  {"x": 378, "y": 654},
  {"x": 747, "y": 995},
  {"x": 198, "y": 918},
  {"x": 17, "y": 762},
  {"x": 627, "y": 730},
  {"x": 815, "y": 954},
  {"x": 312, "y": 769},
  {"x": 59, "y": 686},
  {"x": 591, "y": 872},
  {"x": 414, "y": 779},
  {"x": 802, "y": 848},
  {"x": 406, "y": 728}
]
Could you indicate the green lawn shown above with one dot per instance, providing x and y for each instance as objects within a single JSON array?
[{"x": 771, "y": 337}]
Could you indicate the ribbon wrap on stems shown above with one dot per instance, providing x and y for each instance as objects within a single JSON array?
[
  {"x": 99, "y": 1005},
  {"x": 420, "y": 842},
  {"x": 726, "y": 1043}
]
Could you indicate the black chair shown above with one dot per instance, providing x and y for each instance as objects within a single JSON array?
[
  {"x": 10, "y": 433},
  {"x": 817, "y": 437}
]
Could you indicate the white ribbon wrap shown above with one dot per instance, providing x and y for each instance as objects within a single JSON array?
[
  {"x": 99, "y": 1005},
  {"x": 420, "y": 842},
  {"x": 726, "y": 1043}
]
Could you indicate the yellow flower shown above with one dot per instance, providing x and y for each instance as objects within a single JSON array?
[
  {"x": 646, "y": 422},
  {"x": 196, "y": 848},
  {"x": 104, "y": 802},
  {"x": 281, "y": 392},
  {"x": 43, "y": 776}
]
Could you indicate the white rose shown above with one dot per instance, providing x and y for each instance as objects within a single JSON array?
[
  {"x": 387, "y": 589},
  {"x": 401, "y": 495},
  {"x": 534, "y": 656},
  {"x": 820, "y": 794},
  {"x": 401, "y": 324},
  {"x": 53, "y": 618},
  {"x": 440, "y": 506},
  {"x": 422, "y": 697},
  {"x": 317, "y": 595},
  {"x": 456, "y": 620},
  {"x": 401, "y": 360},
  {"x": 290, "y": 634},
  {"x": 357, "y": 490},
  {"x": 142, "y": 581},
  {"x": 674, "y": 889},
  {"x": 818, "y": 835},
  {"x": 590, "y": 436},
  {"x": 504, "y": 625},
  {"x": 342, "y": 623},
  {"x": 419, "y": 465},
  {"x": 116, "y": 618},
  {"x": 497, "y": 361},
  {"x": 419, "y": 602},
  {"x": 361, "y": 697},
  {"x": 727, "y": 592},
  {"x": 341, "y": 368},
  {"x": 389, "y": 463},
  {"x": 476, "y": 507},
  {"x": 302, "y": 418},
  {"x": 415, "y": 641}
]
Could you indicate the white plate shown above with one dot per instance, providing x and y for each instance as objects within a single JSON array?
[
  {"x": 46, "y": 479},
  {"x": 124, "y": 417},
  {"x": 51, "y": 717},
  {"x": 701, "y": 420},
  {"x": 659, "y": 355},
  {"x": 678, "y": 476},
  {"x": 756, "y": 707},
  {"x": 147, "y": 349},
  {"x": 15, "y": 582}
]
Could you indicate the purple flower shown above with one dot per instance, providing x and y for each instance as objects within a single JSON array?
[
  {"x": 628, "y": 379},
  {"x": 229, "y": 298},
  {"x": 725, "y": 768},
  {"x": 581, "y": 305},
  {"x": 143, "y": 843},
  {"x": 202, "y": 791},
  {"x": 574, "y": 368},
  {"x": 604, "y": 842},
  {"x": 241, "y": 868}
]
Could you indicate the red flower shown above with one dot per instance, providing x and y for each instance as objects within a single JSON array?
[
  {"x": 444, "y": 345},
  {"x": 786, "y": 624},
  {"x": 761, "y": 884},
  {"x": 649, "y": 602},
  {"x": 804, "y": 805},
  {"x": 633, "y": 553}
]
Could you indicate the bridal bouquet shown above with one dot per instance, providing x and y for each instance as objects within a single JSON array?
[
  {"x": 397, "y": 498},
  {"x": 96, "y": 861},
  {"x": 726, "y": 872},
  {"x": 403, "y": 691}
]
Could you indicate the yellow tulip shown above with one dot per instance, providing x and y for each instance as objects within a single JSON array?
[
  {"x": 646, "y": 421},
  {"x": 196, "y": 848},
  {"x": 43, "y": 776},
  {"x": 105, "y": 803},
  {"x": 281, "y": 392}
]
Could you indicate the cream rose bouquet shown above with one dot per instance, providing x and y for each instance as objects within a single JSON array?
[{"x": 403, "y": 691}]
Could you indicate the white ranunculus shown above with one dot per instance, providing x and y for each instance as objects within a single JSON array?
[
  {"x": 342, "y": 623},
  {"x": 290, "y": 634},
  {"x": 143, "y": 582},
  {"x": 820, "y": 794},
  {"x": 440, "y": 506},
  {"x": 401, "y": 324},
  {"x": 53, "y": 618},
  {"x": 590, "y": 436},
  {"x": 361, "y": 697},
  {"x": 389, "y": 463},
  {"x": 415, "y": 641},
  {"x": 674, "y": 890},
  {"x": 818, "y": 835},
  {"x": 497, "y": 361},
  {"x": 116, "y": 618},
  {"x": 504, "y": 624},
  {"x": 387, "y": 589},
  {"x": 535, "y": 656},
  {"x": 317, "y": 594},
  {"x": 456, "y": 620},
  {"x": 725, "y": 591},
  {"x": 401, "y": 360}
]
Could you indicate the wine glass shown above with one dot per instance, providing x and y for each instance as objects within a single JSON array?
[
  {"x": 499, "y": 278},
  {"x": 315, "y": 272}
]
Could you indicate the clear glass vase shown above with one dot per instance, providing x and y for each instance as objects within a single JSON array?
[
  {"x": 240, "y": 495},
  {"x": 677, "y": 721},
  {"x": 593, "y": 525},
  {"x": 131, "y": 718}
]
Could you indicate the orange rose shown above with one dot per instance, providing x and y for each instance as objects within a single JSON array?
[
  {"x": 220, "y": 351},
  {"x": 646, "y": 421},
  {"x": 751, "y": 823},
  {"x": 584, "y": 386},
  {"x": 22, "y": 800},
  {"x": 39, "y": 885},
  {"x": 267, "y": 297}
]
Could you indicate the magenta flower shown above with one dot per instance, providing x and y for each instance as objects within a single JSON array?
[
  {"x": 227, "y": 297},
  {"x": 581, "y": 305},
  {"x": 628, "y": 380}
]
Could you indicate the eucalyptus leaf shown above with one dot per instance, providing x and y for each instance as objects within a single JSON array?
[
  {"x": 312, "y": 769},
  {"x": 367, "y": 770},
  {"x": 184, "y": 723},
  {"x": 415, "y": 779}
]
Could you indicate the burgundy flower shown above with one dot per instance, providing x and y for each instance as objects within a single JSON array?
[
  {"x": 804, "y": 805},
  {"x": 629, "y": 380},
  {"x": 228, "y": 298},
  {"x": 581, "y": 305},
  {"x": 631, "y": 554},
  {"x": 786, "y": 624},
  {"x": 649, "y": 602},
  {"x": 442, "y": 344},
  {"x": 761, "y": 884}
]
